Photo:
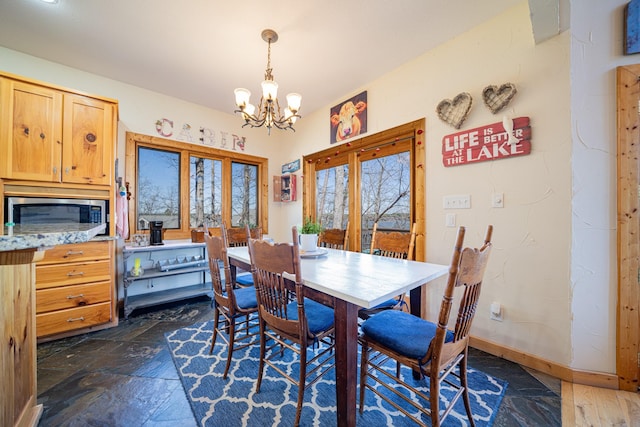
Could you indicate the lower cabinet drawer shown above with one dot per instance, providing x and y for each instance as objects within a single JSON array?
[
  {"x": 72, "y": 296},
  {"x": 73, "y": 318},
  {"x": 49, "y": 276},
  {"x": 76, "y": 252}
]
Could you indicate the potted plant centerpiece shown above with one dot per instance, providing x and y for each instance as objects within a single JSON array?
[{"x": 309, "y": 235}]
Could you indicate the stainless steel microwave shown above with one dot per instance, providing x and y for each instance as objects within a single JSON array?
[{"x": 46, "y": 211}]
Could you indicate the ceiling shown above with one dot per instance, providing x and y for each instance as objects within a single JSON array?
[{"x": 200, "y": 50}]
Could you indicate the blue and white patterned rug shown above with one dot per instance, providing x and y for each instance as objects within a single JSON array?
[{"x": 234, "y": 402}]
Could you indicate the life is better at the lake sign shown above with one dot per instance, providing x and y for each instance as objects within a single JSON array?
[{"x": 495, "y": 141}]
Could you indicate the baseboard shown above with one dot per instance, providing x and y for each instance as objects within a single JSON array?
[{"x": 565, "y": 373}]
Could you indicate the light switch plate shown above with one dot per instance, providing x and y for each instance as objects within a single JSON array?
[
  {"x": 497, "y": 200},
  {"x": 457, "y": 202},
  {"x": 451, "y": 220}
]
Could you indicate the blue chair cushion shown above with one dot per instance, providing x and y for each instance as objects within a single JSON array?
[
  {"x": 246, "y": 298},
  {"x": 245, "y": 279},
  {"x": 402, "y": 332},
  {"x": 319, "y": 316},
  {"x": 390, "y": 303}
]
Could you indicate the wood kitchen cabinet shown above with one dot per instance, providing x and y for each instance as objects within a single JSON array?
[
  {"x": 55, "y": 135},
  {"x": 74, "y": 288},
  {"x": 18, "y": 398}
]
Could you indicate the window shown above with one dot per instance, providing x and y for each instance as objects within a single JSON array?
[
  {"x": 158, "y": 187},
  {"x": 332, "y": 208},
  {"x": 244, "y": 195},
  {"x": 372, "y": 179},
  {"x": 205, "y": 188},
  {"x": 188, "y": 185}
]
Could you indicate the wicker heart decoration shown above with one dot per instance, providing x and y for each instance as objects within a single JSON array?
[
  {"x": 455, "y": 112},
  {"x": 496, "y": 98}
]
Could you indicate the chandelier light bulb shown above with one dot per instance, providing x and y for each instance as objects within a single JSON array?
[
  {"x": 242, "y": 97},
  {"x": 269, "y": 90},
  {"x": 294, "y": 100}
]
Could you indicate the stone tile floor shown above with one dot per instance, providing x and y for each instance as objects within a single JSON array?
[{"x": 124, "y": 376}]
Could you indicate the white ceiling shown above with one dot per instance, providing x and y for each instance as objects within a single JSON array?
[{"x": 200, "y": 50}]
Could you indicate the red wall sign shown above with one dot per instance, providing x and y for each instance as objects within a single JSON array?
[{"x": 486, "y": 143}]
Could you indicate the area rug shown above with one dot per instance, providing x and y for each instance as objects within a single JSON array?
[{"x": 234, "y": 401}]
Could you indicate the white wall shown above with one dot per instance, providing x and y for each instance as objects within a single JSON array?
[
  {"x": 529, "y": 270},
  {"x": 596, "y": 50}
]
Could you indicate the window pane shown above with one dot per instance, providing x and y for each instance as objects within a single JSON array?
[
  {"x": 386, "y": 194},
  {"x": 205, "y": 191},
  {"x": 158, "y": 194},
  {"x": 332, "y": 196},
  {"x": 244, "y": 195}
]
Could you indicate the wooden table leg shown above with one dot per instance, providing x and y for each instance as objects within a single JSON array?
[
  {"x": 415, "y": 301},
  {"x": 346, "y": 332}
]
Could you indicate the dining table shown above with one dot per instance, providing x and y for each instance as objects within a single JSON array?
[{"x": 348, "y": 281}]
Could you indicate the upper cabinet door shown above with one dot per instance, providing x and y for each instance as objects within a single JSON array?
[
  {"x": 30, "y": 143},
  {"x": 88, "y": 141}
]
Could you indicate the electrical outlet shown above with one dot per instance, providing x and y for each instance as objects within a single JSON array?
[{"x": 496, "y": 311}]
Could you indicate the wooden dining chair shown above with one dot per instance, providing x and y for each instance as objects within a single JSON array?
[
  {"x": 426, "y": 347},
  {"x": 288, "y": 320},
  {"x": 237, "y": 236},
  {"x": 392, "y": 244},
  {"x": 334, "y": 238},
  {"x": 233, "y": 320}
]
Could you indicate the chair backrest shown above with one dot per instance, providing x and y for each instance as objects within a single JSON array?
[
  {"x": 218, "y": 260},
  {"x": 237, "y": 236},
  {"x": 467, "y": 269},
  {"x": 334, "y": 238},
  {"x": 393, "y": 244},
  {"x": 269, "y": 263}
]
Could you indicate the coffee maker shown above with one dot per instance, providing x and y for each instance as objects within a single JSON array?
[{"x": 155, "y": 232}]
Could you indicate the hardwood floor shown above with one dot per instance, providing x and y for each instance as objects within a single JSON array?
[{"x": 592, "y": 406}]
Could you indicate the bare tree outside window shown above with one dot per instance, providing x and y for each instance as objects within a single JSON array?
[
  {"x": 205, "y": 192},
  {"x": 244, "y": 195},
  {"x": 385, "y": 194},
  {"x": 158, "y": 194},
  {"x": 332, "y": 196}
]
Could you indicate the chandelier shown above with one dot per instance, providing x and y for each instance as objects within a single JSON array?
[{"x": 268, "y": 112}]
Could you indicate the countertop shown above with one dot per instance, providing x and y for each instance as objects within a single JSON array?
[{"x": 45, "y": 236}]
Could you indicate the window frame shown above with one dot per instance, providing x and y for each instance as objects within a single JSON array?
[
  {"x": 411, "y": 136},
  {"x": 186, "y": 150}
]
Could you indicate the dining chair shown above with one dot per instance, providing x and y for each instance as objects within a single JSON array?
[
  {"x": 392, "y": 244},
  {"x": 237, "y": 236},
  {"x": 334, "y": 238},
  {"x": 426, "y": 347},
  {"x": 234, "y": 307},
  {"x": 288, "y": 320}
]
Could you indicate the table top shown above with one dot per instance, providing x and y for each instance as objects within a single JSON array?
[{"x": 362, "y": 279}]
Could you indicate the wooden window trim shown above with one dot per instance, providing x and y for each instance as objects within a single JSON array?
[
  {"x": 389, "y": 141},
  {"x": 186, "y": 150}
]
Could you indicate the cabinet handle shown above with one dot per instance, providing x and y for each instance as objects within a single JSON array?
[
  {"x": 76, "y": 319},
  {"x": 75, "y": 253},
  {"x": 75, "y": 273},
  {"x": 90, "y": 138},
  {"x": 42, "y": 136},
  {"x": 75, "y": 296},
  {"x": 55, "y": 170},
  {"x": 26, "y": 131}
]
